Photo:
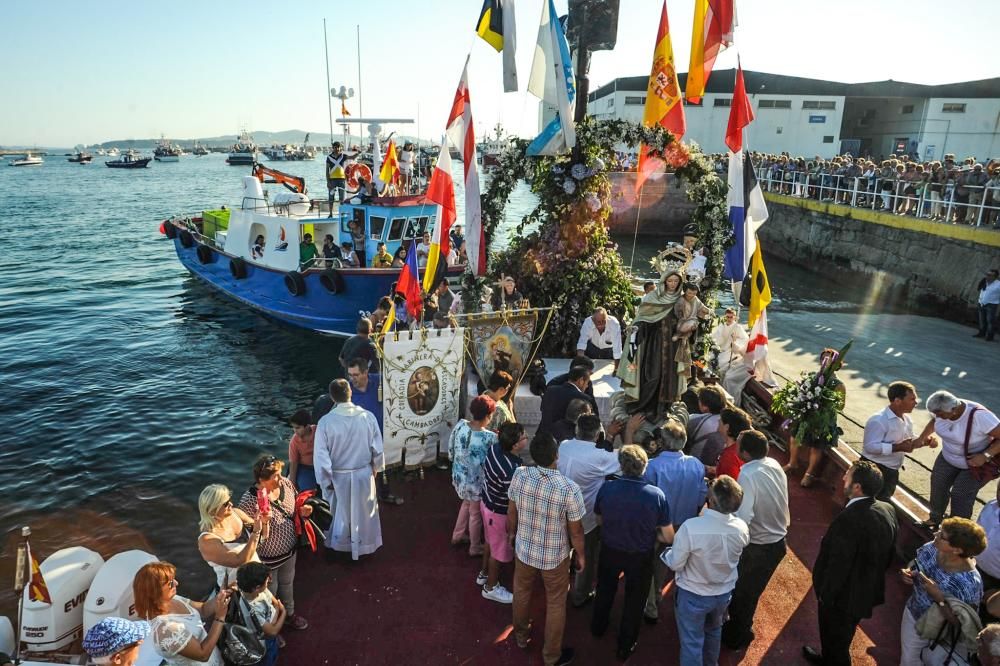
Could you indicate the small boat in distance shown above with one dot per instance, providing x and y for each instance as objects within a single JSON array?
[
  {"x": 199, "y": 150},
  {"x": 244, "y": 151},
  {"x": 130, "y": 160},
  {"x": 166, "y": 152},
  {"x": 28, "y": 160},
  {"x": 114, "y": 152},
  {"x": 81, "y": 158}
]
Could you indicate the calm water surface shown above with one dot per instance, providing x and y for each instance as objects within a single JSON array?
[{"x": 127, "y": 386}]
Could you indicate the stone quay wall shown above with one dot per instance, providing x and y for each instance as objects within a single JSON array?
[{"x": 930, "y": 267}]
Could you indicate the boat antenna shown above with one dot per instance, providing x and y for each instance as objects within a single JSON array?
[
  {"x": 329, "y": 91},
  {"x": 361, "y": 106}
]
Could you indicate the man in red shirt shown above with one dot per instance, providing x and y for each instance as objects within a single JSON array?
[{"x": 732, "y": 422}]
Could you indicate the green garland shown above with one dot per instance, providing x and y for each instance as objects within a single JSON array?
[{"x": 568, "y": 261}]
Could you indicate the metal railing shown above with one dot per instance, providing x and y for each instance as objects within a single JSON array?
[{"x": 974, "y": 205}]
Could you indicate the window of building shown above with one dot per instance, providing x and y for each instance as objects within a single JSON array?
[
  {"x": 611, "y": 102},
  {"x": 818, "y": 104},
  {"x": 774, "y": 104},
  {"x": 952, "y": 107},
  {"x": 828, "y": 138},
  {"x": 906, "y": 108},
  {"x": 723, "y": 101},
  {"x": 779, "y": 130},
  {"x": 635, "y": 99}
]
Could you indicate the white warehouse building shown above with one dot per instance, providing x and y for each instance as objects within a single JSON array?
[{"x": 809, "y": 117}]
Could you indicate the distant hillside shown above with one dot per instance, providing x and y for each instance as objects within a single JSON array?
[{"x": 261, "y": 138}]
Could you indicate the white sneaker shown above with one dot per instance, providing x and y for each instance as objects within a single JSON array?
[
  {"x": 481, "y": 579},
  {"x": 499, "y": 594}
]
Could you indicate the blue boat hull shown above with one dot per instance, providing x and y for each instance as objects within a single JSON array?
[{"x": 317, "y": 309}]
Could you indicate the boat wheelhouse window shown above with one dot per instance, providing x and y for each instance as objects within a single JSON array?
[
  {"x": 417, "y": 226},
  {"x": 357, "y": 215},
  {"x": 376, "y": 227},
  {"x": 396, "y": 228}
]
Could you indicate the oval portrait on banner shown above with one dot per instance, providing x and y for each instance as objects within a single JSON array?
[{"x": 422, "y": 390}]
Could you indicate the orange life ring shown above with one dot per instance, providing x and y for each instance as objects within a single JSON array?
[{"x": 354, "y": 171}]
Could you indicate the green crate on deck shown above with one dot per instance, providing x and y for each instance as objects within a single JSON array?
[{"x": 213, "y": 221}]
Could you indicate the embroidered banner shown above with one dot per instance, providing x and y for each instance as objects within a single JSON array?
[
  {"x": 421, "y": 378},
  {"x": 501, "y": 341}
]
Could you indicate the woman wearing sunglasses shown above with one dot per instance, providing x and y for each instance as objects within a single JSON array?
[{"x": 229, "y": 537}]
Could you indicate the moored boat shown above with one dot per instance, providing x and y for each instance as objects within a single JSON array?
[
  {"x": 199, "y": 150},
  {"x": 130, "y": 160},
  {"x": 244, "y": 151},
  {"x": 28, "y": 160},
  {"x": 81, "y": 158},
  {"x": 251, "y": 253},
  {"x": 114, "y": 152},
  {"x": 166, "y": 152}
]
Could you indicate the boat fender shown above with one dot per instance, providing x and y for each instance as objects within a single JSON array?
[
  {"x": 331, "y": 281},
  {"x": 169, "y": 229},
  {"x": 295, "y": 283},
  {"x": 204, "y": 254},
  {"x": 187, "y": 240},
  {"x": 238, "y": 268}
]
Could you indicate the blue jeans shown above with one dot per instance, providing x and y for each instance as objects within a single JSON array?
[
  {"x": 987, "y": 318},
  {"x": 699, "y": 624},
  {"x": 271, "y": 656}
]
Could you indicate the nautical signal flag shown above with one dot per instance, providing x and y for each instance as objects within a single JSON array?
[
  {"x": 409, "y": 281},
  {"x": 714, "y": 21},
  {"x": 497, "y": 28},
  {"x": 441, "y": 191},
  {"x": 760, "y": 288},
  {"x": 663, "y": 99},
  {"x": 740, "y": 114},
  {"x": 390, "y": 167},
  {"x": 390, "y": 319},
  {"x": 37, "y": 589},
  {"x": 462, "y": 135},
  {"x": 747, "y": 212}
]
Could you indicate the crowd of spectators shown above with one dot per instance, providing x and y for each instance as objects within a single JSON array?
[{"x": 966, "y": 192}]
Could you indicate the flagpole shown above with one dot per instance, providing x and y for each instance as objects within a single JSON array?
[
  {"x": 20, "y": 580},
  {"x": 635, "y": 236},
  {"x": 329, "y": 91},
  {"x": 361, "y": 108}
]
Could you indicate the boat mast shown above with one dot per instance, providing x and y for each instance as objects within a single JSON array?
[
  {"x": 361, "y": 106},
  {"x": 329, "y": 90}
]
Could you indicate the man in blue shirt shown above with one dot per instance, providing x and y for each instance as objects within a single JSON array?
[
  {"x": 682, "y": 479},
  {"x": 364, "y": 393},
  {"x": 634, "y": 518}
]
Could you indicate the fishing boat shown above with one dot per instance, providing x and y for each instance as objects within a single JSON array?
[
  {"x": 81, "y": 158},
  {"x": 244, "y": 151},
  {"x": 166, "y": 152},
  {"x": 114, "y": 152},
  {"x": 130, "y": 160},
  {"x": 251, "y": 253},
  {"x": 199, "y": 150},
  {"x": 28, "y": 160}
]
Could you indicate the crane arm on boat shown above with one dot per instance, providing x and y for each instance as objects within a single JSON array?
[{"x": 268, "y": 175}]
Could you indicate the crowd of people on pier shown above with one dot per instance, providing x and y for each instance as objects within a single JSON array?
[
  {"x": 673, "y": 484},
  {"x": 946, "y": 190}
]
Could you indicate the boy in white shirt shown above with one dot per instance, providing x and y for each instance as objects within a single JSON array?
[{"x": 268, "y": 611}]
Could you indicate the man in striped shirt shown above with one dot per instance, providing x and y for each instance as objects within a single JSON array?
[
  {"x": 543, "y": 517},
  {"x": 498, "y": 470}
]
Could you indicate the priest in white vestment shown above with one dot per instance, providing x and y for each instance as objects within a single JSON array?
[
  {"x": 732, "y": 341},
  {"x": 347, "y": 456}
]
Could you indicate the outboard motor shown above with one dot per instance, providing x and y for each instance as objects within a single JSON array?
[
  {"x": 6, "y": 636},
  {"x": 68, "y": 574},
  {"x": 253, "y": 194},
  {"x": 111, "y": 592}
]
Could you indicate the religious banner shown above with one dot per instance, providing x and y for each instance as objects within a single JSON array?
[
  {"x": 421, "y": 377},
  {"x": 501, "y": 341}
]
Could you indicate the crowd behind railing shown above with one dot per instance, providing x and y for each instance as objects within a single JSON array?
[{"x": 945, "y": 191}]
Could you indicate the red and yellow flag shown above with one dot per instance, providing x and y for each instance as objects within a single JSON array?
[
  {"x": 663, "y": 98},
  {"x": 713, "y": 31},
  {"x": 37, "y": 589},
  {"x": 390, "y": 167},
  {"x": 441, "y": 191}
]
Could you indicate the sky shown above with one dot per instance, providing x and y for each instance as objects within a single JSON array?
[{"x": 84, "y": 72}]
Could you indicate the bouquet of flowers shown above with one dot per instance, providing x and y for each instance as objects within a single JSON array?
[{"x": 811, "y": 404}]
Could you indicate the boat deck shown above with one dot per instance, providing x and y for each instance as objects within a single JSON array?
[{"x": 416, "y": 601}]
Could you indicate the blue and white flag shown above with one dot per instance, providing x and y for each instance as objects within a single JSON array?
[
  {"x": 747, "y": 212},
  {"x": 552, "y": 81}
]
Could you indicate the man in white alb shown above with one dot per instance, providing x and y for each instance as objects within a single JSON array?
[
  {"x": 889, "y": 436},
  {"x": 347, "y": 456},
  {"x": 600, "y": 337},
  {"x": 732, "y": 339}
]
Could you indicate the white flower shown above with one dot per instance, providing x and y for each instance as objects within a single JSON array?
[
  {"x": 593, "y": 202},
  {"x": 569, "y": 186},
  {"x": 557, "y": 169},
  {"x": 579, "y": 171},
  {"x": 598, "y": 165}
]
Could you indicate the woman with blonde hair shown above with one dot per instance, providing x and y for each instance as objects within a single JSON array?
[
  {"x": 177, "y": 628},
  {"x": 229, "y": 537}
]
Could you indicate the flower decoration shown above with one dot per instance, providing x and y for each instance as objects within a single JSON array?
[
  {"x": 569, "y": 186},
  {"x": 812, "y": 403},
  {"x": 579, "y": 171}
]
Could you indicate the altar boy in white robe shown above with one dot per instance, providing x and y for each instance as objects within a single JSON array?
[
  {"x": 732, "y": 340},
  {"x": 347, "y": 456}
]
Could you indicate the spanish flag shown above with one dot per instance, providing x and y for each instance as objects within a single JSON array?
[
  {"x": 390, "y": 167},
  {"x": 713, "y": 31},
  {"x": 441, "y": 191},
  {"x": 760, "y": 288},
  {"x": 497, "y": 28},
  {"x": 37, "y": 589},
  {"x": 663, "y": 98}
]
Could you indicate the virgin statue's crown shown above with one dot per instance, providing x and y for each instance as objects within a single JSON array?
[{"x": 673, "y": 259}]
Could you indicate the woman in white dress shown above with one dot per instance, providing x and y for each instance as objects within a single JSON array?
[
  {"x": 229, "y": 537},
  {"x": 177, "y": 628}
]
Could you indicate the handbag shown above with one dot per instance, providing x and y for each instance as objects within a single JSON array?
[
  {"x": 241, "y": 645},
  {"x": 990, "y": 469}
]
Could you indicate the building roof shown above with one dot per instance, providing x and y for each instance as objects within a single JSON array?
[{"x": 722, "y": 81}]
